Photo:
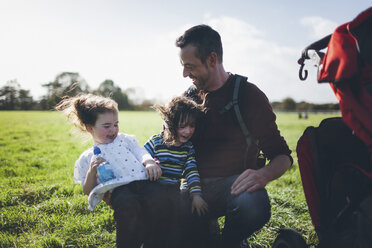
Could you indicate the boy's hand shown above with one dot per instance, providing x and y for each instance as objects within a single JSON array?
[
  {"x": 153, "y": 171},
  {"x": 199, "y": 205}
]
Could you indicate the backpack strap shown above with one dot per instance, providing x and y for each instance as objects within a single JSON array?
[{"x": 235, "y": 105}]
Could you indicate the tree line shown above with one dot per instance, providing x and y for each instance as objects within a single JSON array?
[
  {"x": 288, "y": 104},
  {"x": 13, "y": 97}
]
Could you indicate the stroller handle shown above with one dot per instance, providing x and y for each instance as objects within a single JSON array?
[{"x": 307, "y": 54}]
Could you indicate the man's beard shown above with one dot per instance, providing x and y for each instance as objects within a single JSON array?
[{"x": 201, "y": 82}]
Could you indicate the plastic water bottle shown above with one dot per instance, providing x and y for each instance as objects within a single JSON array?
[{"x": 104, "y": 170}]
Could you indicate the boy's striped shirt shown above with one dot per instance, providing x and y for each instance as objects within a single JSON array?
[{"x": 176, "y": 162}]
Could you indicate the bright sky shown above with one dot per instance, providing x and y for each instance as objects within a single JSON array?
[{"x": 132, "y": 42}]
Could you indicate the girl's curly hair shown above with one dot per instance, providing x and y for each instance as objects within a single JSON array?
[
  {"x": 179, "y": 111},
  {"x": 83, "y": 109}
]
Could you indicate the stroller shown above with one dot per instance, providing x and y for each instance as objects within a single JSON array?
[{"x": 335, "y": 159}]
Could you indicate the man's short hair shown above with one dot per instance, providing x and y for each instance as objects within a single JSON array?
[{"x": 205, "y": 39}]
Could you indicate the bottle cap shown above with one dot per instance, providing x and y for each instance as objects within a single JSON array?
[{"x": 96, "y": 150}]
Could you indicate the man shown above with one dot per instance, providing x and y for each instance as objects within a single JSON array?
[{"x": 232, "y": 183}]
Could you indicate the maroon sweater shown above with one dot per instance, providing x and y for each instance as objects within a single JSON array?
[{"x": 220, "y": 144}]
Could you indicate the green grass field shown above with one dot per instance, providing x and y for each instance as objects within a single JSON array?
[{"x": 41, "y": 206}]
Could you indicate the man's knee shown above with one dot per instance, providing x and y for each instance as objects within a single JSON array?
[{"x": 250, "y": 208}]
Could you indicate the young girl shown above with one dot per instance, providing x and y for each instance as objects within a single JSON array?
[
  {"x": 174, "y": 150},
  {"x": 135, "y": 199}
]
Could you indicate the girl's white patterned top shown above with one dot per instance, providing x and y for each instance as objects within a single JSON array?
[{"x": 125, "y": 156}]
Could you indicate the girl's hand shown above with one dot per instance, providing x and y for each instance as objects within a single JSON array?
[
  {"x": 91, "y": 177},
  {"x": 153, "y": 171},
  {"x": 95, "y": 162},
  {"x": 199, "y": 205}
]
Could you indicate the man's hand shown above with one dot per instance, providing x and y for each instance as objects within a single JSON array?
[
  {"x": 199, "y": 205},
  {"x": 153, "y": 171},
  {"x": 250, "y": 180}
]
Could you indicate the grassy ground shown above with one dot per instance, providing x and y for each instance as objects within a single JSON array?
[{"x": 41, "y": 206}]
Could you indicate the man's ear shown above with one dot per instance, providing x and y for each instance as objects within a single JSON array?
[{"x": 212, "y": 59}]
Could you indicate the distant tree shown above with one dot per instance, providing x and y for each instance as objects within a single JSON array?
[
  {"x": 12, "y": 97},
  {"x": 9, "y": 95},
  {"x": 65, "y": 84},
  {"x": 288, "y": 104},
  {"x": 108, "y": 89},
  {"x": 327, "y": 107},
  {"x": 25, "y": 100},
  {"x": 334, "y": 106},
  {"x": 122, "y": 99},
  {"x": 276, "y": 105},
  {"x": 304, "y": 106},
  {"x": 145, "y": 105}
]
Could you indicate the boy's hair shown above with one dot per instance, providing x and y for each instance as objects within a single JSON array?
[
  {"x": 205, "y": 39},
  {"x": 83, "y": 110},
  {"x": 180, "y": 110}
]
